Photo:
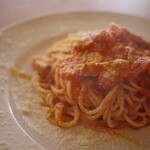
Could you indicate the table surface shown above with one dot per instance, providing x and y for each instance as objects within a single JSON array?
[{"x": 12, "y": 11}]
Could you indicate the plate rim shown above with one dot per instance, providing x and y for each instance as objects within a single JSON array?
[{"x": 34, "y": 17}]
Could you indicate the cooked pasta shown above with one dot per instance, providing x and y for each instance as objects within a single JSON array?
[{"x": 97, "y": 78}]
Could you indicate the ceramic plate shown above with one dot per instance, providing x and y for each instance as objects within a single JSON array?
[{"x": 25, "y": 40}]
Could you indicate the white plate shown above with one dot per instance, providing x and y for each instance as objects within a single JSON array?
[{"x": 22, "y": 41}]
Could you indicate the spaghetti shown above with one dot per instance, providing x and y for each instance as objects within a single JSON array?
[{"x": 97, "y": 78}]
